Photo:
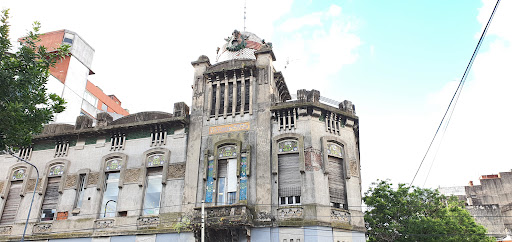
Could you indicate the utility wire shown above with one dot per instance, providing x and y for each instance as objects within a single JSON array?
[{"x": 459, "y": 88}]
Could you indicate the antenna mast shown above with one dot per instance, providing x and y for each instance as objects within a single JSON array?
[{"x": 245, "y": 7}]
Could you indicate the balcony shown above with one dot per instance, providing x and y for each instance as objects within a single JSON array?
[{"x": 226, "y": 216}]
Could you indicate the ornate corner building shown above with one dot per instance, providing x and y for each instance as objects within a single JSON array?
[{"x": 268, "y": 167}]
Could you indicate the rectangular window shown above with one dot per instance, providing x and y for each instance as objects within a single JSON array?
[
  {"x": 238, "y": 96},
  {"x": 111, "y": 191},
  {"x": 230, "y": 98},
  {"x": 222, "y": 90},
  {"x": 12, "y": 203},
  {"x": 50, "y": 200},
  {"x": 336, "y": 180},
  {"x": 214, "y": 99},
  {"x": 153, "y": 193},
  {"x": 80, "y": 191},
  {"x": 247, "y": 95},
  {"x": 289, "y": 178}
]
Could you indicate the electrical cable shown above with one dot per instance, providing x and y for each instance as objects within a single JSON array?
[{"x": 459, "y": 88}]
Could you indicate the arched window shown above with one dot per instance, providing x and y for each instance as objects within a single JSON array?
[
  {"x": 17, "y": 176},
  {"x": 51, "y": 194},
  {"x": 153, "y": 189},
  {"x": 336, "y": 176},
  {"x": 289, "y": 176},
  {"x": 112, "y": 171},
  {"x": 227, "y": 175}
]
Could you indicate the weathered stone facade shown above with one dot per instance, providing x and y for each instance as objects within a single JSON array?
[{"x": 268, "y": 167}]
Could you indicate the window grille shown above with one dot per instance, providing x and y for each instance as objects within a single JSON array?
[
  {"x": 61, "y": 148},
  {"x": 117, "y": 141},
  {"x": 333, "y": 123},
  {"x": 25, "y": 153},
  {"x": 158, "y": 136},
  {"x": 229, "y": 94},
  {"x": 80, "y": 191},
  {"x": 287, "y": 119}
]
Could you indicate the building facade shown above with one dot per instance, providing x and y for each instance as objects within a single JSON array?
[
  {"x": 266, "y": 167},
  {"x": 490, "y": 203},
  {"x": 69, "y": 79}
]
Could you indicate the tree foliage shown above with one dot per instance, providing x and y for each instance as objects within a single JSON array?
[
  {"x": 25, "y": 104},
  {"x": 417, "y": 214}
]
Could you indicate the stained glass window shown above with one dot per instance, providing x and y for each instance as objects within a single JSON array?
[
  {"x": 113, "y": 164},
  {"x": 288, "y": 146},
  {"x": 334, "y": 150},
  {"x": 156, "y": 160},
  {"x": 18, "y": 174},
  {"x": 57, "y": 170},
  {"x": 227, "y": 151}
]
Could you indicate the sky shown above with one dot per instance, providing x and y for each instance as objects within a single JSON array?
[{"x": 398, "y": 61}]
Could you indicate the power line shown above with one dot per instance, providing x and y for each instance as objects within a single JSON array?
[{"x": 458, "y": 90}]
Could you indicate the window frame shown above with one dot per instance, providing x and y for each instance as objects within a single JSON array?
[{"x": 44, "y": 186}]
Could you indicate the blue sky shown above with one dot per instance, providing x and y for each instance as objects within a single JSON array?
[{"x": 398, "y": 61}]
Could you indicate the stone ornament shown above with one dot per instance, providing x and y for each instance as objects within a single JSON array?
[
  {"x": 103, "y": 224},
  {"x": 42, "y": 228},
  {"x": 93, "y": 178},
  {"x": 5, "y": 230},
  {"x": 176, "y": 170},
  {"x": 148, "y": 222},
  {"x": 70, "y": 181},
  {"x": 340, "y": 216},
  {"x": 289, "y": 213},
  {"x": 132, "y": 175}
]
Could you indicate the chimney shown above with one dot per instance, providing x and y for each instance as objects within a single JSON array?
[{"x": 470, "y": 183}]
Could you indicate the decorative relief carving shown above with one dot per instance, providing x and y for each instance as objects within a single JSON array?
[
  {"x": 176, "y": 170},
  {"x": 353, "y": 168},
  {"x": 132, "y": 175},
  {"x": 340, "y": 216},
  {"x": 32, "y": 183},
  {"x": 264, "y": 216},
  {"x": 229, "y": 128},
  {"x": 2, "y": 186},
  {"x": 103, "y": 224},
  {"x": 5, "y": 230},
  {"x": 42, "y": 228},
  {"x": 93, "y": 178},
  {"x": 70, "y": 181},
  {"x": 313, "y": 159},
  {"x": 288, "y": 213},
  {"x": 148, "y": 222}
]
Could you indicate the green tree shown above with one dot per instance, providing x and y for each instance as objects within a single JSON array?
[
  {"x": 417, "y": 214},
  {"x": 25, "y": 104}
]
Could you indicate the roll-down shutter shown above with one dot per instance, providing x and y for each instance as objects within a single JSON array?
[
  {"x": 336, "y": 181},
  {"x": 12, "y": 203},
  {"x": 51, "y": 198},
  {"x": 289, "y": 176}
]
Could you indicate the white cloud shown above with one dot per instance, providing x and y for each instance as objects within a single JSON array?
[{"x": 318, "y": 45}]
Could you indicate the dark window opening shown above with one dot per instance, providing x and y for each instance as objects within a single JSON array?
[
  {"x": 214, "y": 99},
  {"x": 247, "y": 94},
  {"x": 230, "y": 98},
  {"x": 221, "y": 101},
  {"x": 238, "y": 96}
]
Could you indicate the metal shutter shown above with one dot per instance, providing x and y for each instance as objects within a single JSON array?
[
  {"x": 289, "y": 176},
  {"x": 336, "y": 181},
  {"x": 51, "y": 196},
  {"x": 223, "y": 168},
  {"x": 12, "y": 203}
]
